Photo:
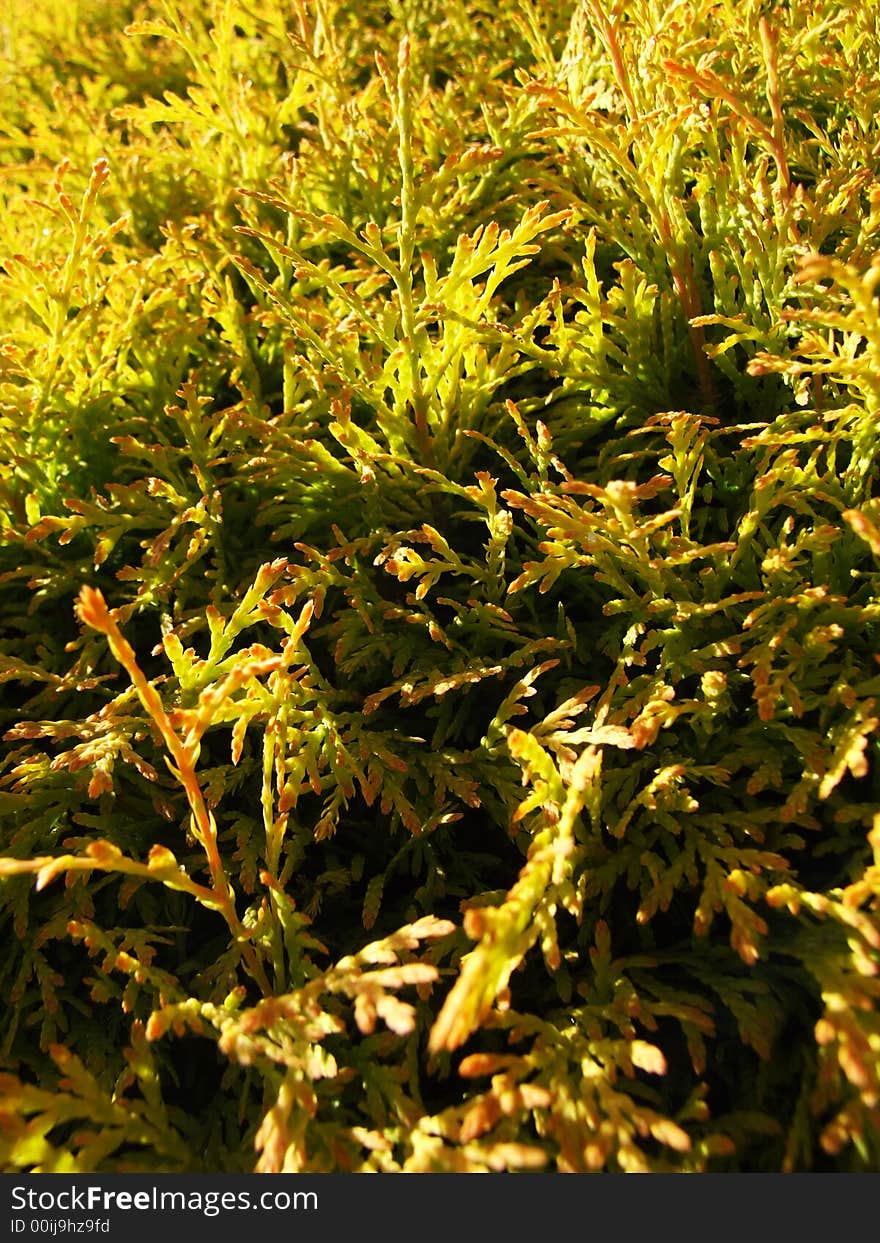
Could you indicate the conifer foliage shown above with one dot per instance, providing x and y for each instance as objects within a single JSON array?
[{"x": 439, "y": 586}]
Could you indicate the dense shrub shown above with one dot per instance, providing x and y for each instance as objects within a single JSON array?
[{"x": 439, "y": 586}]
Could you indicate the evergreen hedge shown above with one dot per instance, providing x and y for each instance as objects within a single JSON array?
[{"x": 439, "y": 586}]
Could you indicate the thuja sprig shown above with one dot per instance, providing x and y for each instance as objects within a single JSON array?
[
  {"x": 184, "y": 751},
  {"x": 400, "y": 92}
]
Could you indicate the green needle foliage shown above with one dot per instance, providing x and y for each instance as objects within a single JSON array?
[{"x": 439, "y": 586}]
